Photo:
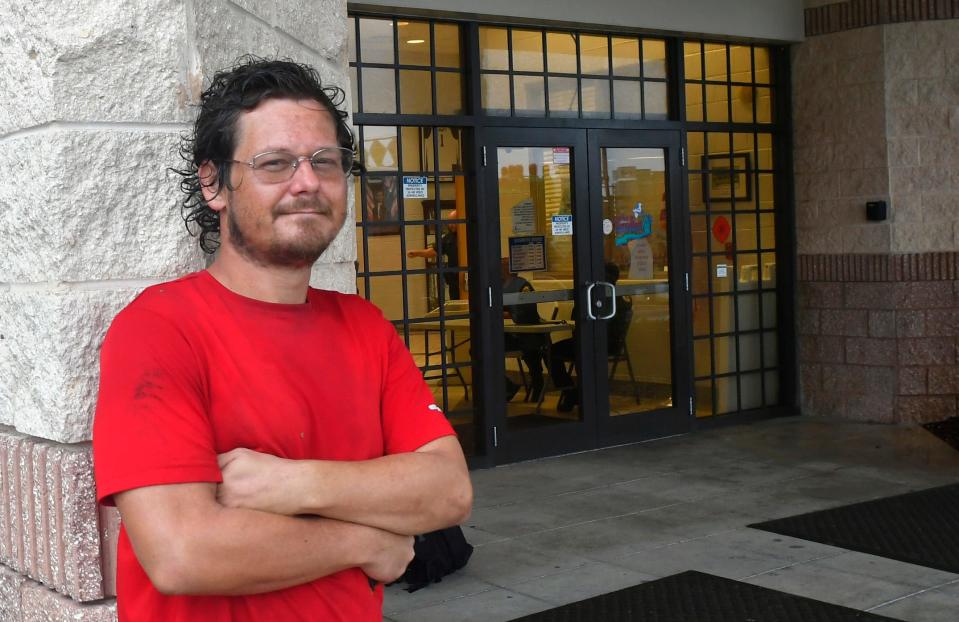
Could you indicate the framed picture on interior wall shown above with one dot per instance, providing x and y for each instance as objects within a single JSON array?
[
  {"x": 728, "y": 177},
  {"x": 381, "y": 206}
]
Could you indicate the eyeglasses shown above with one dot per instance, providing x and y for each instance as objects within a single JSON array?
[{"x": 275, "y": 167}]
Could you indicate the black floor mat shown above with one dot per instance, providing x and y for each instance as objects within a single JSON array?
[
  {"x": 947, "y": 431},
  {"x": 918, "y": 527},
  {"x": 698, "y": 597}
]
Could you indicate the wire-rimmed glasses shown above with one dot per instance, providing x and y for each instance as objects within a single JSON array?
[{"x": 275, "y": 167}]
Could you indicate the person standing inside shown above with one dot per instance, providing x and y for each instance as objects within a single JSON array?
[
  {"x": 271, "y": 448},
  {"x": 449, "y": 249}
]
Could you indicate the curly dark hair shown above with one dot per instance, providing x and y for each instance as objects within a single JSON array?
[{"x": 243, "y": 87}]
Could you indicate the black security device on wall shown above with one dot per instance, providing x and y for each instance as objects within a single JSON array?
[{"x": 875, "y": 210}]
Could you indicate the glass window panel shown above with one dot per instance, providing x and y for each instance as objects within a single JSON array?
[
  {"x": 354, "y": 94},
  {"x": 740, "y": 63},
  {"x": 626, "y": 56},
  {"x": 742, "y": 104},
  {"x": 351, "y": 34},
  {"x": 414, "y": 42},
  {"x": 720, "y": 234},
  {"x": 702, "y": 357},
  {"x": 529, "y": 96},
  {"x": 769, "y": 310},
  {"x": 593, "y": 55},
  {"x": 764, "y": 105},
  {"x": 724, "y": 354},
  {"x": 495, "y": 94},
  {"x": 748, "y": 267},
  {"x": 704, "y": 398},
  {"x": 765, "y": 151},
  {"x": 717, "y": 102},
  {"x": 726, "y": 395},
  {"x": 379, "y": 90},
  {"x": 450, "y": 147},
  {"x": 723, "y": 275},
  {"x": 767, "y": 231},
  {"x": 656, "y": 100},
  {"x": 654, "y": 58},
  {"x": 415, "y": 150},
  {"x": 595, "y": 97},
  {"x": 563, "y": 97},
  {"x": 376, "y": 40},
  {"x": 723, "y": 320},
  {"x": 694, "y": 102},
  {"x": 416, "y": 92},
  {"x": 494, "y": 48},
  {"x": 747, "y": 311},
  {"x": 386, "y": 292},
  {"x": 751, "y": 394},
  {"x": 718, "y": 143},
  {"x": 626, "y": 99},
  {"x": 418, "y": 291},
  {"x": 699, "y": 233},
  {"x": 696, "y": 201},
  {"x": 700, "y": 275},
  {"x": 693, "y": 60},
  {"x": 379, "y": 148},
  {"x": 750, "y": 352},
  {"x": 449, "y": 93},
  {"x": 701, "y": 324},
  {"x": 560, "y": 52},
  {"x": 716, "y": 62},
  {"x": 447, "y": 44},
  {"x": 768, "y": 270},
  {"x": 772, "y": 388},
  {"x": 743, "y": 142},
  {"x": 747, "y": 234},
  {"x": 770, "y": 350},
  {"x": 696, "y": 146},
  {"x": 527, "y": 50},
  {"x": 761, "y": 59},
  {"x": 766, "y": 183}
]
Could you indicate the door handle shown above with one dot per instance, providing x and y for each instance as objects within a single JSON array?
[{"x": 589, "y": 300}]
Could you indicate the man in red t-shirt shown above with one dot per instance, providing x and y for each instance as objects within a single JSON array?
[{"x": 271, "y": 448}]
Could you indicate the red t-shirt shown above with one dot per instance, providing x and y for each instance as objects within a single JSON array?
[{"x": 190, "y": 369}]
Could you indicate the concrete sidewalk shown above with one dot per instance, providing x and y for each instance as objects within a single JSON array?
[{"x": 558, "y": 530}]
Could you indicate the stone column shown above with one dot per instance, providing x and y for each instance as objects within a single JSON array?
[{"x": 94, "y": 95}]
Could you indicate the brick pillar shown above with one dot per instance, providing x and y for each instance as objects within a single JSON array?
[{"x": 95, "y": 95}]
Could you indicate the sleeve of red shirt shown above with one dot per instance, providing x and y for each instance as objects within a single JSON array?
[
  {"x": 150, "y": 425},
  {"x": 411, "y": 417}
]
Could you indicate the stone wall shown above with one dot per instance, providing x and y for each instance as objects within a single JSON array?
[
  {"x": 876, "y": 117},
  {"x": 93, "y": 97}
]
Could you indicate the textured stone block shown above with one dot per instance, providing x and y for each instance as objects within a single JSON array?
[
  {"x": 819, "y": 240},
  {"x": 926, "y": 295},
  {"x": 321, "y": 25},
  {"x": 927, "y": 351},
  {"x": 109, "y": 532},
  {"x": 808, "y": 322},
  {"x": 942, "y": 323},
  {"x": 820, "y": 295},
  {"x": 844, "y": 322},
  {"x": 869, "y": 351},
  {"x": 11, "y": 583},
  {"x": 872, "y": 296},
  {"x": 64, "y": 59},
  {"x": 912, "y": 380},
  {"x": 821, "y": 350},
  {"x": 910, "y": 324},
  {"x": 109, "y": 208},
  {"x": 43, "y": 605},
  {"x": 941, "y": 207},
  {"x": 50, "y": 521},
  {"x": 922, "y": 237},
  {"x": 866, "y": 182},
  {"x": 340, "y": 277},
  {"x": 52, "y": 375},
  {"x": 869, "y": 407},
  {"x": 882, "y": 324},
  {"x": 924, "y": 409},
  {"x": 943, "y": 380}
]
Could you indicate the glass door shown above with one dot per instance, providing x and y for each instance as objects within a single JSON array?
[{"x": 638, "y": 235}]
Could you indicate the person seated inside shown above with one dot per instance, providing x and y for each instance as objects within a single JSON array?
[
  {"x": 564, "y": 352},
  {"x": 531, "y": 345}
]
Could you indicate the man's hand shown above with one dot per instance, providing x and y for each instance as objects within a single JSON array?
[{"x": 257, "y": 481}]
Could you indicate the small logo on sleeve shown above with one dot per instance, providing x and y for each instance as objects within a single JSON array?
[{"x": 436, "y": 408}]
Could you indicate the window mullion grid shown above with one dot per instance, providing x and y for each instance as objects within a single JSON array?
[
  {"x": 546, "y": 106},
  {"x": 609, "y": 77},
  {"x": 642, "y": 82},
  {"x": 579, "y": 74},
  {"x": 358, "y": 65},
  {"x": 396, "y": 72},
  {"x": 509, "y": 67},
  {"x": 433, "y": 89}
]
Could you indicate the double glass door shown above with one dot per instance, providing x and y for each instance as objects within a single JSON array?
[{"x": 592, "y": 346}]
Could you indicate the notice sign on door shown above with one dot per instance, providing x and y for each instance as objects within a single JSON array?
[
  {"x": 524, "y": 217},
  {"x": 527, "y": 253},
  {"x": 560, "y": 155},
  {"x": 414, "y": 187},
  {"x": 562, "y": 224}
]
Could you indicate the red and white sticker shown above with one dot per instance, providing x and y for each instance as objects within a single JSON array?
[{"x": 560, "y": 155}]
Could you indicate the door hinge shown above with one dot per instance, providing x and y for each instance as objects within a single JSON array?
[
  {"x": 490, "y": 292},
  {"x": 495, "y": 439},
  {"x": 690, "y": 405},
  {"x": 682, "y": 156},
  {"x": 687, "y": 281},
  {"x": 484, "y": 155}
]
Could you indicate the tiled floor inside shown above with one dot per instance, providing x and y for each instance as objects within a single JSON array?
[{"x": 558, "y": 530}]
